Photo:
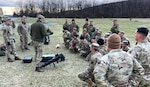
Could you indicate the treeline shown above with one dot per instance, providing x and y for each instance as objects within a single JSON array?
[{"x": 80, "y": 9}]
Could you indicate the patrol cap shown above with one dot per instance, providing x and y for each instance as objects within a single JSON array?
[
  {"x": 95, "y": 46},
  {"x": 23, "y": 17},
  {"x": 6, "y": 19},
  {"x": 143, "y": 30},
  {"x": 75, "y": 34},
  {"x": 40, "y": 16},
  {"x": 84, "y": 29},
  {"x": 74, "y": 28},
  {"x": 122, "y": 32},
  {"x": 107, "y": 34},
  {"x": 125, "y": 42}
]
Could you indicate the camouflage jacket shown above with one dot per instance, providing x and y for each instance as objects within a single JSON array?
[
  {"x": 86, "y": 36},
  {"x": 67, "y": 35},
  {"x": 115, "y": 29},
  {"x": 8, "y": 32},
  {"x": 103, "y": 50},
  {"x": 90, "y": 29},
  {"x": 66, "y": 26},
  {"x": 71, "y": 26},
  {"x": 84, "y": 46},
  {"x": 23, "y": 29},
  {"x": 126, "y": 49},
  {"x": 141, "y": 52},
  {"x": 114, "y": 69},
  {"x": 85, "y": 26}
]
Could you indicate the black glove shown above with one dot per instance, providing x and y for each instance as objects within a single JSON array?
[
  {"x": 14, "y": 40},
  {"x": 8, "y": 43}
]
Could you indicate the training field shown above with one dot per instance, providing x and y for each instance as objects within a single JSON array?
[{"x": 17, "y": 74}]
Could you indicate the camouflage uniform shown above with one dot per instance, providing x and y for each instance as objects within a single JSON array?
[
  {"x": 86, "y": 36},
  {"x": 103, "y": 50},
  {"x": 115, "y": 68},
  {"x": 73, "y": 25},
  {"x": 66, "y": 26},
  {"x": 141, "y": 52},
  {"x": 85, "y": 25},
  {"x": 88, "y": 74},
  {"x": 8, "y": 35},
  {"x": 84, "y": 48},
  {"x": 90, "y": 29},
  {"x": 74, "y": 44},
  {"x": 23, "y": 30},
  {"x": 115, "y": 29},
  {"x": 67, "y": 38}
]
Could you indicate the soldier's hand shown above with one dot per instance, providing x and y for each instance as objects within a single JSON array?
[
  {"x": 8, "y": 43},
  {"x": 14, "y": 40}
]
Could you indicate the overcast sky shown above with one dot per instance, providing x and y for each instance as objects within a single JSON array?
[{"x": 14, "y": 2}]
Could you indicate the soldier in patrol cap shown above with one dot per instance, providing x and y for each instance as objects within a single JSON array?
[
  {"x": 86, "y": 23},
  {"x": 23, "y": 31},
  {"x": 124, "y": 46},
  {"x": 38, "y": 33},
  {"x": 8, "y": 35},
  {"x": 141, "y": 52},
  {"x": 115, "y": 68},
  {"x": 95, "y": 55},
  {"x": 73, "y": 25},
  {"x": 123, "y": 38}
]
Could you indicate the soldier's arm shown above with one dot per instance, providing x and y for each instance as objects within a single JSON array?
[
  {"x": 44, "y": 32},
  {"x": 5, "y": 34},
  {"x": 100, "y": 72},
  {"x": 19, "y": 30}
]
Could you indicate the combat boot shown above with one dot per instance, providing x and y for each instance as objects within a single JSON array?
[
  {"x": 17, "y": 58},
  {"x": 39, "y": 69},
  {"x": 10, "y": 60}
]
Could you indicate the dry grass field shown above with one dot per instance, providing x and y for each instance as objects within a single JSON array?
[{"x": 18, "y": 74}]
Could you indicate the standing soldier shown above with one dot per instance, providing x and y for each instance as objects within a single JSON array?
[
  {"x": 115, "y": 68},
  {"x": 141, "y": 52},
  {"x": 91, "y": 28},
  {"x": 66, "y": 25},
  {"x": 115, "y": 28},
  {"x": 86, "y": 23},
  {"x": 73, "y": 25},
  {"x": 38, "y": 33},
  {"x": 23, "y": 30},
  {"x": 95, "y": 55},
  {"x": 9, "y": 40}
]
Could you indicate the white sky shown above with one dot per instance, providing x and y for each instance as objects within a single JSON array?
[{"x": 15, "y": 2}]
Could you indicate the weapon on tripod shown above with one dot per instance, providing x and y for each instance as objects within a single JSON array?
[{"x": 57, "y": 58}]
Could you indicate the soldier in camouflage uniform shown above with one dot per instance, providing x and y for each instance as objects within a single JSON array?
[
  {"x": 74, "y": 31},
  {"x": 91, "y": 28},
  {"x": 86, "y": 23},
  {"x": 38, "y": 33},
  {"x": 95, "y": 55},
  {"x": 115, "y": 28},
  {"x": 123, "y": 38},
  {"x": 67, "y": 38},
  {"x": 124, "y": 46},
  {"x": 141, "y": 52},
  {"x": 23, "y": 30},
  {"x": 66, "y": 25},
  {"x": 86, "y": 35},
  {"x": 73, "y": 25},
  {"x": 84, "y": 47},
  {"x": 102, "y": 47},
  {"x": 98, "y": 35},
  {"x": 8, "y": 35},
  {"x": 115, "y": 68},
  {"x": 74, "y": 44}
]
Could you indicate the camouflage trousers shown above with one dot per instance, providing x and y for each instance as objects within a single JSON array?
[
  {"x": 24, "y": 41},
  {"x": 145, "y": 82},
  {"x": 84, "y": 53},
  {"x": 38, "y": 48},
  {"x": 10, "y": 48},
  {"x": 87, "y": 75}
]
